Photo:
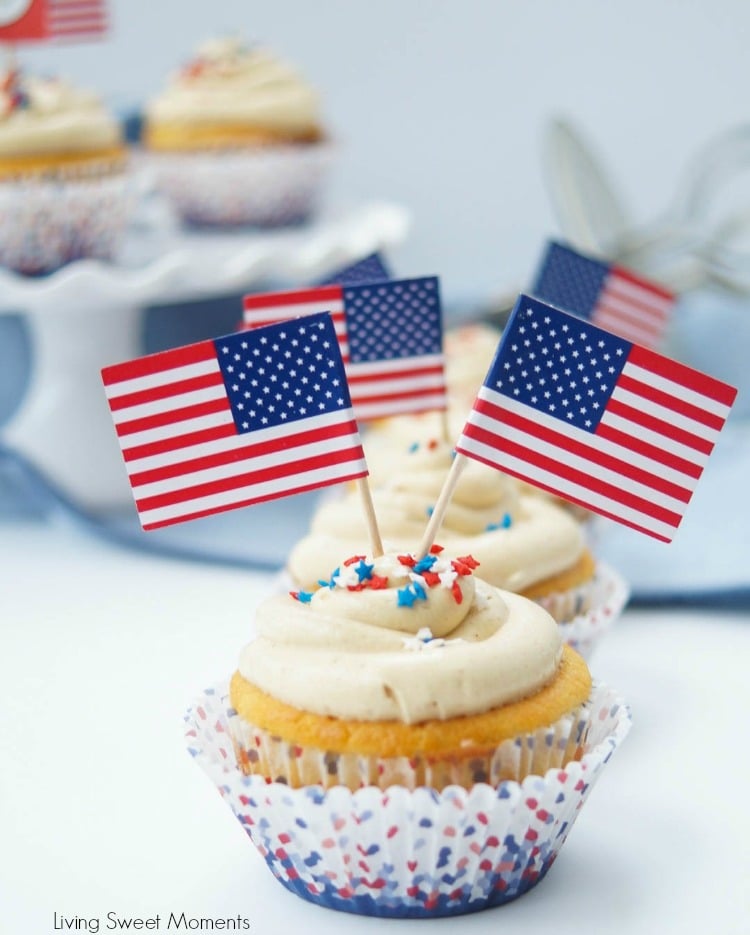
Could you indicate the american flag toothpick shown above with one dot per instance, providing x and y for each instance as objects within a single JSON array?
[
  {"x": 227, "y": 423},
  {"x": 606, "y": 294},
  {"x": 593, "y": 418}
]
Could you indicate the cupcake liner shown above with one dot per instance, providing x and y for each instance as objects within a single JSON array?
[
  {"x": 261, "y": 753},
  {"x": 46, "y": 223},
  {"x": 607, "y": 597},
  {"x": 408, "y": 853},
  {"x": 266, "y": 187}
]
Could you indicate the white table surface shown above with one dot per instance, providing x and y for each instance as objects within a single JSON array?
[{"x": 102, "y": 810}]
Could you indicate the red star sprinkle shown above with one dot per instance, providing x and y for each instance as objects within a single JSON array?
[
  {"x": 353, "y": 559},
  {"x": 436, "y": 549},
  {"x": 468, "y": 560},
  {"x": 407, "y": 560},
  {"x": 458, "y": 594},
  {"x": 431, "y": 579},
  {"x": 378, "y": 582}
]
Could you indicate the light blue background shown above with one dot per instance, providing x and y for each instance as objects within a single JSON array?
[{"x": 441, "y": 104}]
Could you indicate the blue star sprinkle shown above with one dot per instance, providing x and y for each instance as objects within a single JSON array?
[{"x": 364, "y": 571}]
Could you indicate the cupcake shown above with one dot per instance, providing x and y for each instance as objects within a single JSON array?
[
  {"x": 408, "y": 740},
  {"x": 63, "y": 187},
  {"x": 236, "y": 138}
]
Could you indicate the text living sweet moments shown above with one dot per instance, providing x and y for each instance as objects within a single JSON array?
[{"x": 176, "y": 922}]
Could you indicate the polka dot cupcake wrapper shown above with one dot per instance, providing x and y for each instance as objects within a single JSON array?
[
  {"x": 269, "y": 187},
  {"x": 407, "y": 853},
  {"x": 604, "y": 601},
  {"x": 45, "y": 224}
]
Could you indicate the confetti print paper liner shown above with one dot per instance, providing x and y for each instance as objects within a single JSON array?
[
  {"x": 606, "y": 598},
  {"x": 404, "y": 853},
  {"x": 268, "y": 187},
  {"x": 45, "y": 224}
]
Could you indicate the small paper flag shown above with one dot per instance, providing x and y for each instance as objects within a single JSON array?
[
  {"x": 605, "y": 294},
  {"x": 227, "y": 423},
  {"x": 587, "y": 415},
  {"x": 23, "y": 20},
  {"x": 390, "y": 335},
  {"x": 371, "y": 268}
]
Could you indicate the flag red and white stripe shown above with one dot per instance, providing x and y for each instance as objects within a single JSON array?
[
  {"x": 270, "y": 307},
  {"x": 614, "y": 427},
  {"x": 636, "y": 309},
  {"x": 69, "y": 19},
  {"x": 36, "y": 20},
  {"x": 189, "y": 449}
]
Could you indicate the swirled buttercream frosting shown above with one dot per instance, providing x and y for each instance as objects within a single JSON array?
[
  {"x": 394, "y": 638},
  {"x": 41, "y": 116},
  {"x": 519, "y": 540},
  {"x": 232, "y": 83}
]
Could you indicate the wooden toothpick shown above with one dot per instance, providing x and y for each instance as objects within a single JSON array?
[
  {"x": 438, "y": 513},
  {"x": 376, "y": 544}
]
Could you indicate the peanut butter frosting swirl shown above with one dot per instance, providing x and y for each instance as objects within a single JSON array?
[
  {"x": 40, "y": 116},
  {"x": 519, "y": 540},
  {"x": 233, "y": 83},
  {"x": 394, "y": 638}
]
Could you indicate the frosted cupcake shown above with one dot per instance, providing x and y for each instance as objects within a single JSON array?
[
  {"x": 407, "y": 672},
  {"x": 63, "y": 186},
  {"x": 407, "y": 741},
  {"x": 239, "y": 139}
]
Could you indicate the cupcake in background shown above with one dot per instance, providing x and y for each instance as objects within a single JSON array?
[
  {"x": 236, "y": 138},
  {"x": 408, "y": 741},
  {"x": 64, "y": 191},
  {"x": 469, "y": 350}
]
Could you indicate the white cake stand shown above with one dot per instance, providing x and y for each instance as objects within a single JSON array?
[{"x": 89, "y": 314}]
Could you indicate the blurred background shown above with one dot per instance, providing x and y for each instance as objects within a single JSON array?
[
  {"x": 441, "y": 110},
  {"x": 441, "y": 105}
]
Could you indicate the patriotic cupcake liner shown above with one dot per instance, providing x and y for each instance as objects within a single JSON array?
[
  {"x": 46, "y": 223},
  {"x": 401, "y": 852},
  {"x": 592, "y": 610},
  {"x": 267, "y": 187}
]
